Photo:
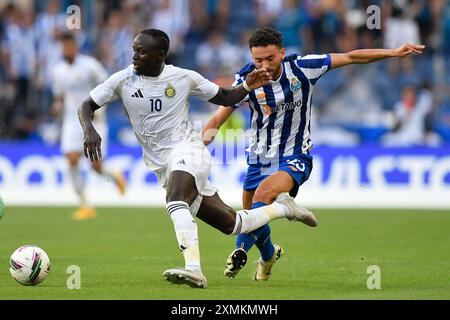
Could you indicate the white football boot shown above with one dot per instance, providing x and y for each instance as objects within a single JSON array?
[
  {"x": 297, "y": 213},
  {"x": 183, "y": 276}
]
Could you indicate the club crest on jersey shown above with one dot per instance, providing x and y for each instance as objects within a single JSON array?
[
  {"x": 170, "y": 91},
  {"x": 295, "y": 84}
]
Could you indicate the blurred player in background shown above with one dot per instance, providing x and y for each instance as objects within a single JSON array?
[
  {"x": 279, "y": 159},
  {"x": 73, "y": 78},
  {"x": 155, "y": 96}
]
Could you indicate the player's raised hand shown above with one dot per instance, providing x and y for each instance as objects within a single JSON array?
[
  {"x": 407, "y": 49},
  {"x": 258, "y": 78},
  {"x": 92, "y": 145}
]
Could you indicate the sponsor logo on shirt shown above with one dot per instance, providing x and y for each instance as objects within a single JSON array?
[{"x": 281, "y": 107}]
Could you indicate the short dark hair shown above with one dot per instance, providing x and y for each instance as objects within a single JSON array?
[
  {"x": 266, "y": 36},
  {"x": 161, "y": 36},
  {"x": 68, "y": 36}
]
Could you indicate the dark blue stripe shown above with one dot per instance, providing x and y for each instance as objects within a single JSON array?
[
  {"x": 313, "y": 63},
  {"x": 249, "y": 67},
  {"x": 313, "y": 81},
  {"x": 287, "y": 120},
  {"x": 305, "y": 92},
  {"x": 270, "y": 100},
  {"x": 259, "y": 123},
  {"x": 291, "y": 57},
  {"x": 239, "y": 81}
]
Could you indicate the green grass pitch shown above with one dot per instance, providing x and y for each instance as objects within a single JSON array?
[{"x": 123, "y": 252}]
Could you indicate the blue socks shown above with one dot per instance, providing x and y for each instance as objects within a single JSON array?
[
  {"x": 264, "y": 243},
  {"x": 260, "y": 237}
]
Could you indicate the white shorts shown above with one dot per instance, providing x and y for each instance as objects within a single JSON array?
[
  {"x": 195, "y": 159},
  {"x": 72, "y": 137}
]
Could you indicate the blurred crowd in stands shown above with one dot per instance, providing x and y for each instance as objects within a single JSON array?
[{"x": 392, "y": 102}]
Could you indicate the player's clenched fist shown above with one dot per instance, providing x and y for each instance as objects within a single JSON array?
[
  {"x": 258, "y": 78},
  {"x": 92, "y": 145}
]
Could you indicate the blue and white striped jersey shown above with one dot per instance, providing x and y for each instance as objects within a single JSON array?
[{"x": 281, "y": 112}]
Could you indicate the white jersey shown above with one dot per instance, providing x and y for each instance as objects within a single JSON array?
[
  {"x": 73, "y": 82},
  {"x": 157, "y": 107}
]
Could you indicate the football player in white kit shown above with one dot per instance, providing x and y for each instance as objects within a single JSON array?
[
  {"x": 73, "y": 78},
  {"x": 155, "y": 96}
]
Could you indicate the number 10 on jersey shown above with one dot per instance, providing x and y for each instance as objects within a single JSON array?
[{"x": 155, "y": 105}]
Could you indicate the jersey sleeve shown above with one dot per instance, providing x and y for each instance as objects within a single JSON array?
[
  {"x": 240, "y": 78},
  {"x": 107, "y": 91},
  {"x": 237, "y": 82},
  {"x": 314, "y": 65},
  {"x": 201, "y": 87}
]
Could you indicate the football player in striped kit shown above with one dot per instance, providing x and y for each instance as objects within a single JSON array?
[{"x": 279, "y": 159}]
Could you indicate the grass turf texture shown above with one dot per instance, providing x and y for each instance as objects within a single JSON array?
[{"x": 123, "y": 252}]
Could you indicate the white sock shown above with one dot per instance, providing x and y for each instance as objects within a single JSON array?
[
  {"x": 78, "y": 184},
  {"x": 186, "y": 232},
  {"x": 249, "y": 220}
]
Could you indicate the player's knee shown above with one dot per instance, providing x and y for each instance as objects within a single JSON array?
[
  {"x": 264, "y": 195},
  {"x": 176, "y": 194}
]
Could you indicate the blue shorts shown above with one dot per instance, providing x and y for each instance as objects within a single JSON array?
[{"x": 298, "y": 167}]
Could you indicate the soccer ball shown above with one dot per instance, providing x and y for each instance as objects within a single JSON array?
[{"x": 29, "y": 265}]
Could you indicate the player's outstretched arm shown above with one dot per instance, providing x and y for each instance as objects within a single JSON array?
[
  {"x": 213, "y": 125},
  {"x": 370, "y": 55},
  {"x": 92, "y": 140},
  {"x": 233, "y": 95}
]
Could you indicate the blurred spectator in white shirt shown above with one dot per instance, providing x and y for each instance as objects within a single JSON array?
[
  {"x": 399, "y": 28},
  {"x": 410, "y": 116}
]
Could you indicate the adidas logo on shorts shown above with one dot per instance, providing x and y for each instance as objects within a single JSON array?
[{"x": 181, "y": 162}]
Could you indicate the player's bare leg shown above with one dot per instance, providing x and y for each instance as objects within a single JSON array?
[
  {"x": 247, "y": 198},
  {"x": 266, "y": 193},
  {"x": 85, "y": 211},
  {"x": 277, "y": 186},
  {"x": 217, "y": 214},
  {"x": 181, "y": 193},
  {"x": 117, "y": 177}
]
